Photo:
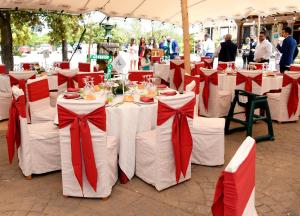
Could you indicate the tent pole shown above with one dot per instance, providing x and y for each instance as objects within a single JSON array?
[
  {"x": 258, "y": 27},
  {"x": 186, "y": 35}
]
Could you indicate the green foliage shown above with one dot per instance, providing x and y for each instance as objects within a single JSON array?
[{"x": 63, "y": 27}]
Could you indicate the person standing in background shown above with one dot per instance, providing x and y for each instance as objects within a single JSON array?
[
  {"x": 146, "y": 60},
  {"x": 162, "y": 43},
  {"x": 152, "y": 44},
  {"x": 133, "y": 54},
  {"x": 208, "y": 46},
  {"x": 263, "y": 50},
  {"x": 288, "y": 49},
  {"x": 173, "y": 47},
  {"x": 253, "y": 45},
  {"x": 227, "y": 50},
  {"x": 142, "y": 49}
]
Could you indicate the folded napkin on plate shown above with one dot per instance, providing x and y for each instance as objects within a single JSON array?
[
  {"x": 146, "y": 99},
  {"x": 162, "y": 86},
  {"x": 72, "y": 89},
  {"x": 169, "y": 93},
  {"x": 71, "y": 96}
]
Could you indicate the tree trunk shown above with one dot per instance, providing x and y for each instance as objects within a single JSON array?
[
  {"x": 6, "y": 41},
  {"x": 64, "y": 51}
]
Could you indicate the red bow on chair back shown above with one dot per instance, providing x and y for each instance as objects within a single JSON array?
[
  {"x": 233, "y": 190},
  {"x": 65, "y": 79},
  {"x": 293, "y": 100},
  {"x": 81, "y": 141},
  {"x": 13, "y": 134},
  {"x": 177, "y": 79},
  {"x": 181, "y": 135},
  {"x": 222, "y": 66},
  {"x": 38, "y": 90},
  {"x": 240, "y": 78},
  {"x": 207, "y": 79},
  {"x": 20, "y": 82},
  {"x": 208, "y": 62},
  {"x": 196, "y": 70},
  {"x": 294, "y": 68}
]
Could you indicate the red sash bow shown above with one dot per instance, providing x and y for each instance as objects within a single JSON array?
[
  {"x": 233, "y": 190},
  {"x": 20, "y": 82},
  {"x": 213, "y": 78},
  {"x": 240, "y": 78},
  {"x": 293, "y": 100},
  {"x": 80, "y": 130},
  {"x": 13, "y": 134},
  {"x": 65, "y": 79},
  {"x": 181, "y": 135},
  {"x": 177, "y": 79}
]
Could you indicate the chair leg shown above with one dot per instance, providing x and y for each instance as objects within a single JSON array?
[
  {"x": 250, "y": 119},
  {"x": 269, "y": 121},
  {"x": 28, "y": 177},
  {"x": 230, "y": 115}
]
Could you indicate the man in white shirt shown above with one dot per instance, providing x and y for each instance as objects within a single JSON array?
[
  {"x": 263, "y": 50},
  {"x": 208, "y": 46}
]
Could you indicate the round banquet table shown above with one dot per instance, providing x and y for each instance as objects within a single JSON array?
[{"x": 124, "y": 121}]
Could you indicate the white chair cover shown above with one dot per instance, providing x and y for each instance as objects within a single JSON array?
[
  {"x": 256, "y": 89},
  {"x": 154, "y": 150},
  {"x": 208, "y": 141},
  {"x": 105, "y": 152},
  {"x": 39, "y": 150},
  {"x": 278, "y": 102},
  {"x": 218, "y": 102},
  {"x": 5, "y": 96},
  {"x": 235, "y": 191},
  {"x": 67, "y": 73},
  {"x": 39, "y": 100}
]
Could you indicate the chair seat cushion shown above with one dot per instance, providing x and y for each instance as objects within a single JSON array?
[
  {"x": 44, "y": 130},
  {"x": 274, "y": 96},
  {"x": 204, "y": 125}
]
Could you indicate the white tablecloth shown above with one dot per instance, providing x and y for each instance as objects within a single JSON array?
[{"x": 227, "y": 83}]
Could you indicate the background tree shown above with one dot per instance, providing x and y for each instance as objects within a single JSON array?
[
  {"x": 15, "y": 20},
  {"x": 64, "y": 29}
]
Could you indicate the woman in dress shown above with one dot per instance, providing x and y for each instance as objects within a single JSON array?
[
  {"x": 133, "y": 54},
  {"x": 142, "y": 49}
]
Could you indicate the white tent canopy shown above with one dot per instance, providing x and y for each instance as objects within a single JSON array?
[{"x": 163, "y": 10}]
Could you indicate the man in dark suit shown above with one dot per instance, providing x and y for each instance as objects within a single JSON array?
[
  {"x": 227, "y": 50},
  {"x": 288, "y": 49}
]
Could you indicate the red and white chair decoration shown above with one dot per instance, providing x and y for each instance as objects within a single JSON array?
[
  {"x": 208, "y": 141},
  {"x": 223, "y": 65},
  {"x": 90, "y": 167},
  {"x": 62, "y": 65},
  {"x": 20, "y": 78},
  {"x": 2, "y": 69},
  {"x": 285, "y": 106},
  {"x": 29, "y": 66},
  {"x": 167, "y": 148},
  {"x": 250, "y": 81},
  {"x": 39, "y": 100},
  {"x": 208, "y": 62},
  {"x": 196, "y": 68},
  {"x": 86, "y": 67},
  {"x": 235, "y": 190},
  {"x": 295, "y": 67},
  {"x": 177, "y": 74},
  {"x": 98, "y": 77},
  {"x": 192, "y": 84},
  {"x": 66, "y": 79},
  {"x": 5, "y": 101},
  {"x": 258, "y": 66},
  {"x": 37, "y": 145},
  {"x": 139, "y": 76},
  {"x": 213, "y": 102}
]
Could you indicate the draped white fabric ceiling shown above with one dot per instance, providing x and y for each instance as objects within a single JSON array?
[{"x": 163, "y": 10}]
